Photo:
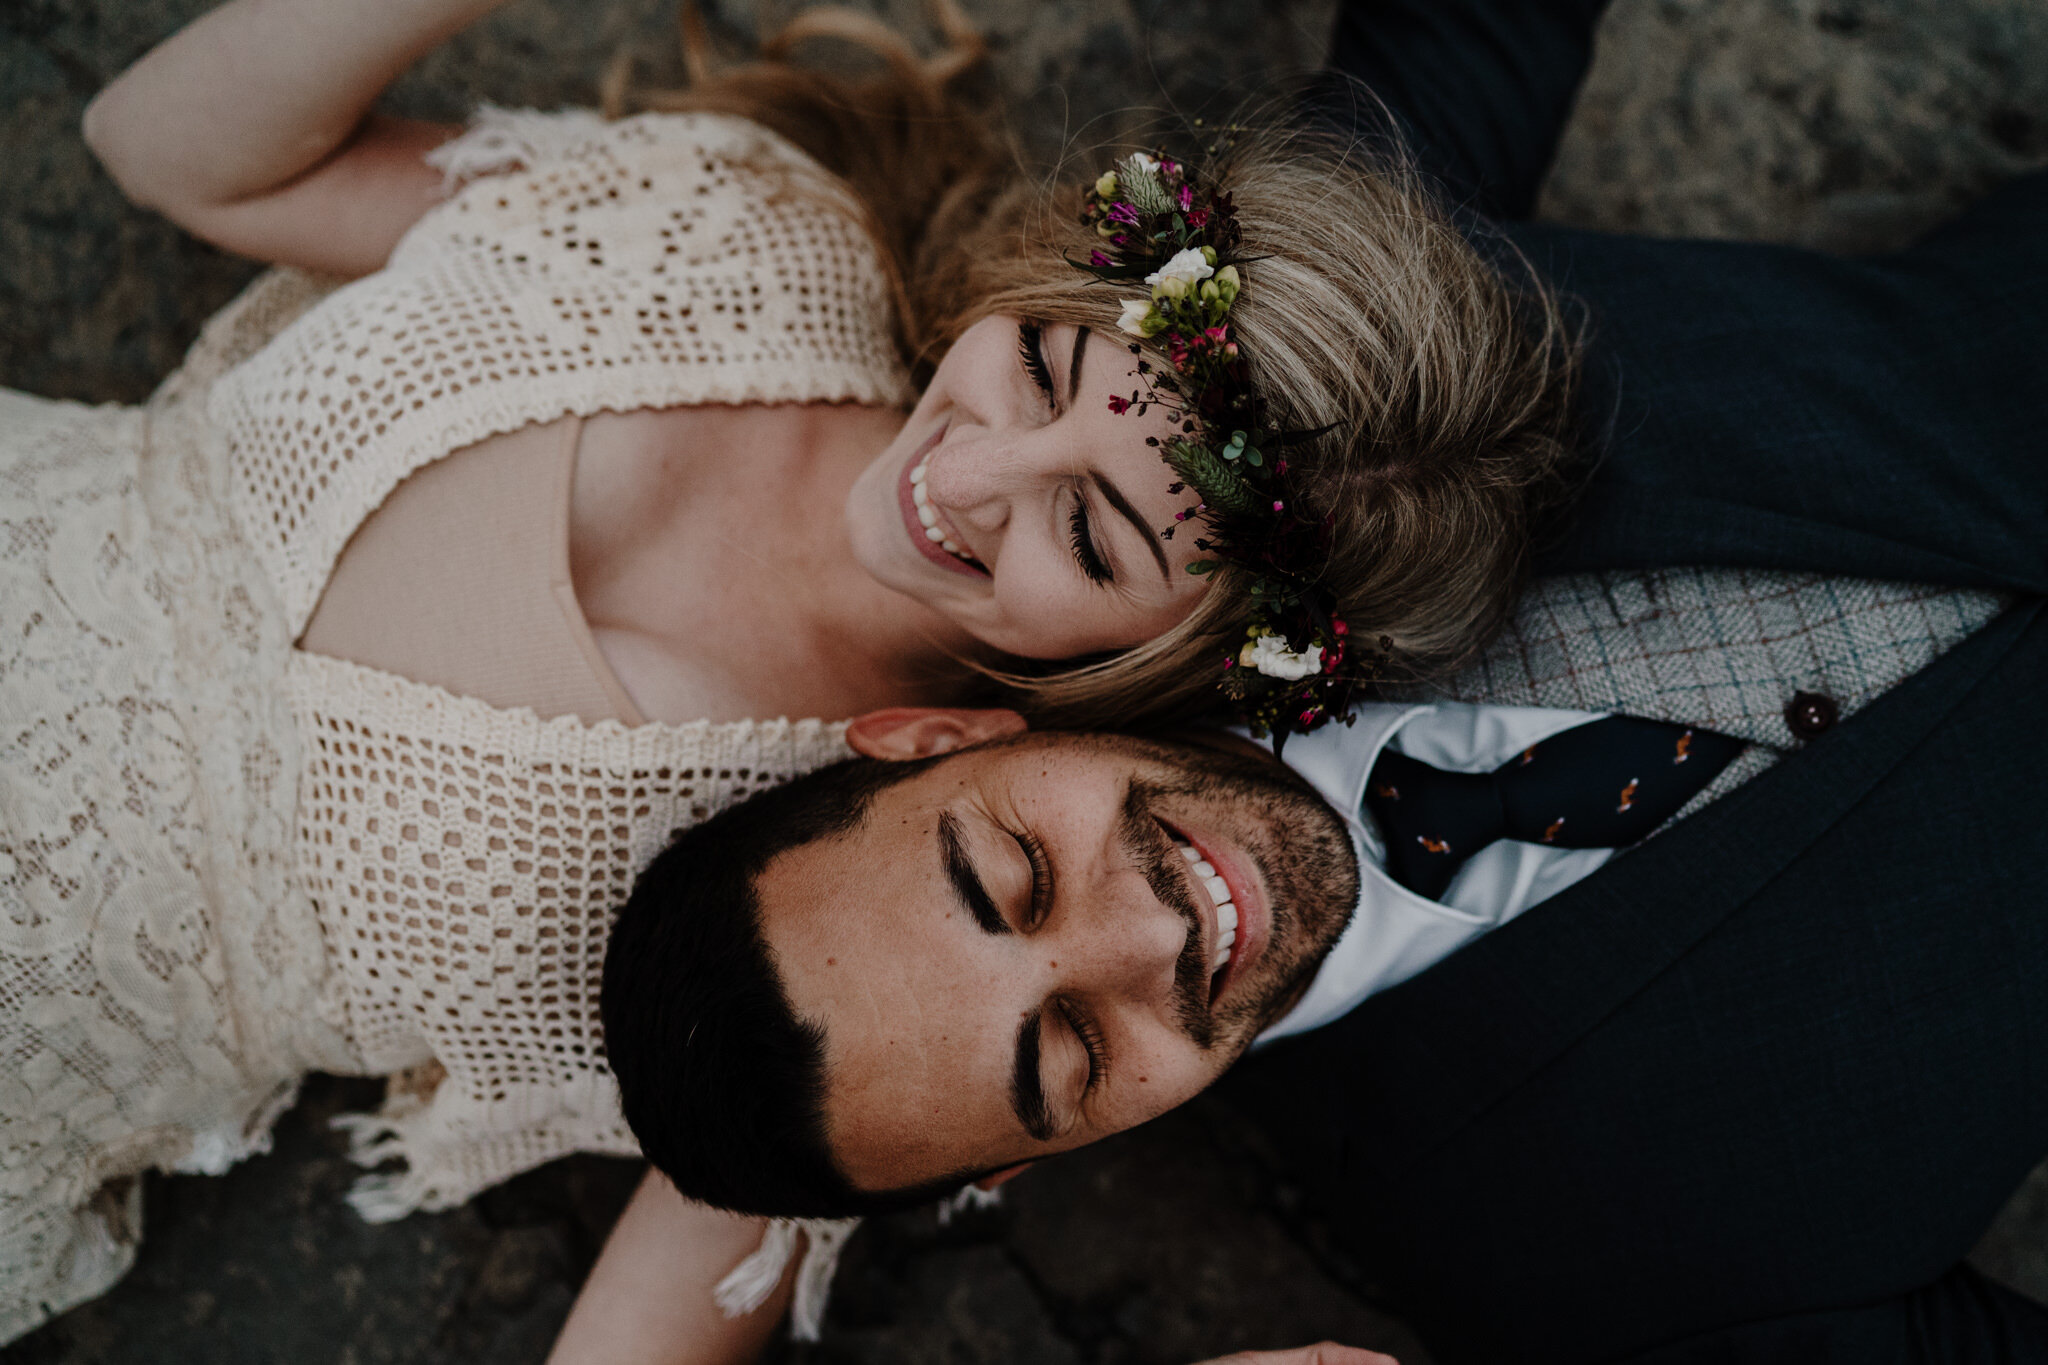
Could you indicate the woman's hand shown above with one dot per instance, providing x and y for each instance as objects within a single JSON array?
[
  {"x": 250, "y": 127},
  {"x": 1322, "y": 1353}
]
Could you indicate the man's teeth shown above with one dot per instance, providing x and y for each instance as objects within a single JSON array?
[
  {"x": 929, "y": 517},
  {"x": 1226, "y": 909}
]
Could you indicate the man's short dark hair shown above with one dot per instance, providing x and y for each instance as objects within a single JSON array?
[{"x": 721, "y": 1082}]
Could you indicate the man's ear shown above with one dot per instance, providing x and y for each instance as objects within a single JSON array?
[
  {"x": 906, "y": 732},
  {"x": 1004, "y": 1176}
]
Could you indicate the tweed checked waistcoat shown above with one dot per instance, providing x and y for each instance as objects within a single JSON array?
[{"x": 1725, "y": 649}]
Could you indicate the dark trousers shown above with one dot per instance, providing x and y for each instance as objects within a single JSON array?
[{"x": 1749, "y": 405}]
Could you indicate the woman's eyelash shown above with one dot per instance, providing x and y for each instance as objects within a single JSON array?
[
  {"x": 1030, "y": 348},
  {"x": 1041, "y": 876},
  {"x": 1084, "y": 544},
  {"x": 1090, "y": 1034}
]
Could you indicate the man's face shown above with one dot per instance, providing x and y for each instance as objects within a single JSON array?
[{"x": 1019, "y": 952}]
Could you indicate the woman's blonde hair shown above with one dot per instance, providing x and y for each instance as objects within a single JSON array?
[{"x": 1446, "y": 390}]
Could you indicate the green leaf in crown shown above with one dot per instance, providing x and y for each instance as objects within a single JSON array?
[
  {"x": 1137, "y": 178},
  {"x": 1212, "y": 480}
]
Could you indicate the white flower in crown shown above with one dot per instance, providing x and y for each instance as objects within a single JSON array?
[
  {"x": 1138, "y": 319},
  {"x": 1190, "y": 267},
  {"x": 1143, "y": 162},
  {"x": 1271, "y": 656}
]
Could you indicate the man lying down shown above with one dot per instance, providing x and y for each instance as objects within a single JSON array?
[
  {"x": 978, "y": 946},
  {"x": 974, "y": 947}
]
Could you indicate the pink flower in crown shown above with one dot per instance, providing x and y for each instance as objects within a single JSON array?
[
  {"x": 1186, "y": 198},
  {"x": 1219, "y": 335},
  {"x": 1119, "y": 404},
  {"x": 1123, "y": 213},
  {"x": 1100, "y": 258},
  {"x": 1198, "y": 218}
]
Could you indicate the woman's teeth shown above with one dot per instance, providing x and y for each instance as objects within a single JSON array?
[
  {"x": 929, "y": 517},
  {"x": 1226, "y": 909}
]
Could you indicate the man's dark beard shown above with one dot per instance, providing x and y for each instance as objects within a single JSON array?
[{"x": 1296, "y": 840}]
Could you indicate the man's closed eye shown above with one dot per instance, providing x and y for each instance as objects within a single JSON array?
[{"x": 1039, "y": 904}]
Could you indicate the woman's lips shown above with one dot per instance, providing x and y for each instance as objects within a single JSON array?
[{"x": 906, "y": 503}]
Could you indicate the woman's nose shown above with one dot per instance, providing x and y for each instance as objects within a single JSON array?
[
  {"x": 982, "y": 475},
  {"x": 973, "y": 477}
]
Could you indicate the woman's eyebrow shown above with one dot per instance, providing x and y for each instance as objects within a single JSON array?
[
  {"x": 1115, "y": 498},
  {"x": 1074, "y": 365},
  {"x": 966, "y": 881}
]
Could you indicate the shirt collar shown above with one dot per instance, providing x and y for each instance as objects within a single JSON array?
[{"x": 1393, "y": 933}]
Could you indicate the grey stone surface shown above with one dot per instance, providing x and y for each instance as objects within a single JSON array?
[
  {"x": 1841, "y": 123},
  {"x": 1847, "y": 124}
]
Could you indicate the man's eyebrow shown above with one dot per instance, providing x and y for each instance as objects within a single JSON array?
[
  {"x": 966, "y": 881},
  {"x": 1122, "y": 504},
  {"x": 1027, "y": 1091},
  {"x": 1074, "y": 365}
]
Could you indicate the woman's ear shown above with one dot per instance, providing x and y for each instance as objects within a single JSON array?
[
  {"x": 907, "y": 732},
  {"x": 1004, "y": 1176}
]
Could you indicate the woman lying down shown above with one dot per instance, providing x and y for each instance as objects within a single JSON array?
[{"x": 501, "y": 533}]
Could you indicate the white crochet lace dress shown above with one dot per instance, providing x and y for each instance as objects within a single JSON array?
[{"x": 224, "y": 861}]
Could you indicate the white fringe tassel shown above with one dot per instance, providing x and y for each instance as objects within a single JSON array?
[
  {"x": 754, "y": 1279},
  {"x": 374, "y": 1139},
  {"x": 500, "y": 139},
  {"x": 965, "y": 1198}
]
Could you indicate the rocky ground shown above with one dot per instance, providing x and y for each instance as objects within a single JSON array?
[{"x": 1847, "y": 124}]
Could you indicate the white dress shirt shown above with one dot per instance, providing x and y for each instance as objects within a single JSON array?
[{"x": 1394, "y": 933}]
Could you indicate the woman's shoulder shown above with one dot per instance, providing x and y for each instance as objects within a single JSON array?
[
  {"x": 678, "y": 193},
  {"x": 500, "y": 140}
]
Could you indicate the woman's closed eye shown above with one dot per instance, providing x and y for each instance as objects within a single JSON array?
[
  {"x": 1081, "y": 535},
  {"x": 1031, "y": 350},
  {"x": 1093, "y": 563}
]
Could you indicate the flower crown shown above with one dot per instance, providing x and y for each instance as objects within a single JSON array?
[{"x": 1299, "y": 667}]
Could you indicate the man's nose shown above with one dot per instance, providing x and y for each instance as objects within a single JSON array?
[{"x": 1131, "y": 946}]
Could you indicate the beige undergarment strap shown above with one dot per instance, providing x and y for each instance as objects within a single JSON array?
[{"x": 461, "y": 579}]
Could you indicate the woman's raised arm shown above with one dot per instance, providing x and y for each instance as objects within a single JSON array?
[{"x": 251, "y": 127}]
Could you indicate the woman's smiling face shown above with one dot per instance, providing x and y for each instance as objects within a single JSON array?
[{"x": 1048, "y": 507}]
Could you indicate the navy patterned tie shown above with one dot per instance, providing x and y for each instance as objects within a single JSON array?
[{"x": 1603, "y": 784}]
